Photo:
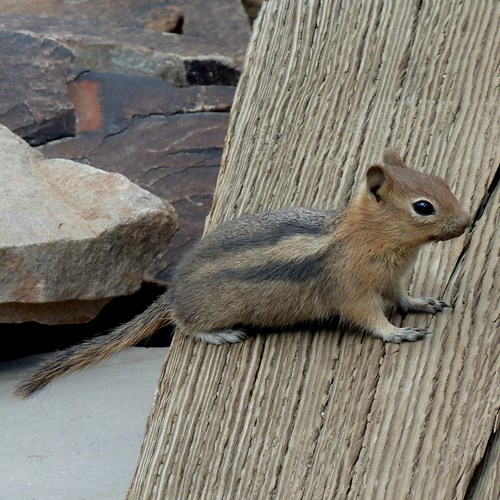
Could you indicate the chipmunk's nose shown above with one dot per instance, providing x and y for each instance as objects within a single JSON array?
[
  {"x": 466, "y": 220},
  {"x": 457, "y": 226}
]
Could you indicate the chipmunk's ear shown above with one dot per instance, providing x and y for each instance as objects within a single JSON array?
[
  {"x": 378, "y": 181},
  {"x": 392, "y": 159}
]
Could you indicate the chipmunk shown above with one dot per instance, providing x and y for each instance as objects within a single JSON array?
[{"x": 296, "y": 265}]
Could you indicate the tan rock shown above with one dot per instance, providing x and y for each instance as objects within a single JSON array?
[{"x": 71, "y": 232}]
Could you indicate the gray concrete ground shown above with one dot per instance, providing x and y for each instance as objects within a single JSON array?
[{"x": 79, "y": 439}]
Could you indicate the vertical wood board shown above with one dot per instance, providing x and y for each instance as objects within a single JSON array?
[{"x": 326, "y": 85}]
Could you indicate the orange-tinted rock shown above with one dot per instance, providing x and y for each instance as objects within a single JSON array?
[{"x": 85, "y": 97}]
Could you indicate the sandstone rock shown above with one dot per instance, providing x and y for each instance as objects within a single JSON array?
[
  {"x": 70, "y": 232},
  {"x": 168, "y": 140},
  {"x": 179, "y": 59},
  {"x": 148, "y": 14},
  {"x": 33, "y": 100}
]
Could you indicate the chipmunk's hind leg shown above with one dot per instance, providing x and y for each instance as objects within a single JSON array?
[{"x": 227, "y": 336}]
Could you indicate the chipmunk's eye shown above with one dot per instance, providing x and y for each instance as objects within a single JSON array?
[{"x": 424, "y": 207}]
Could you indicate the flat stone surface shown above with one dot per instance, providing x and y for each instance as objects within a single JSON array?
[
  {"x": 33, "y": 95},
  {"x": 107, "y": 102},
  {"x": 179, "y": 59},
  {"x": 222, "y": 22},
  {"x": 148, "y": 14},
  {"x": 82, "y": 434},
  {"x": 168, "y": 140},
  {"x": 70, "y": 231}
]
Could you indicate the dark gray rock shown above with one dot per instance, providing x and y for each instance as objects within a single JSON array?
[
  {"x": 179, "y": 59},
  {"x": 221, "y": 22},
  {"x": 108, "y": 101},
  {"x": 33, "y": 100},
  {"x": 148, "y": 14}
]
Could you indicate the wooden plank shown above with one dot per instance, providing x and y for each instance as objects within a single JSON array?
[{"x": 319, "y": 414}]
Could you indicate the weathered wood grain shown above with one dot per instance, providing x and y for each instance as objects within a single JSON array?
[{"x": 326, "y": 85}]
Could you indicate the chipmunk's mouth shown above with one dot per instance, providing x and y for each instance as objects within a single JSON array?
[{"x": 451, "y": 235}]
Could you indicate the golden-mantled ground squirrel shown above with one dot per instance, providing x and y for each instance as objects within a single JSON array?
[{"x": 294, "y": 266}]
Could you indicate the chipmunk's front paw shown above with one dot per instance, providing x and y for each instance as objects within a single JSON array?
[
  {"x": 423, "y": 304},
  {"x": 407, "y": 334}
]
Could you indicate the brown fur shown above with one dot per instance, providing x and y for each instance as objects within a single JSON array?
[{"x": 293, "y": 266}]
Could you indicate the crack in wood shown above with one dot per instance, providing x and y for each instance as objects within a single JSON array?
[{"x": 481, "y": 468}]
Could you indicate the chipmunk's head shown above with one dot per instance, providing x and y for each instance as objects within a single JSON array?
[{"x": 420, "y": 206}]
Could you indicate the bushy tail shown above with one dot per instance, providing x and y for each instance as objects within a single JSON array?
[{"x": 97, "y": 349}]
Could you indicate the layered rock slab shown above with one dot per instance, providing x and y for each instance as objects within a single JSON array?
[
  {"x": 148, "y": 14},
  {"x": 220, "y": 22},
  {"x": 70, "y": 232},
  {"x": 179, "y": 59}
]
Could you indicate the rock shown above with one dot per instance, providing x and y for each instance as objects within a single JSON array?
[
  {"x": 148, "y": 14},
  {"x": 33, "y": 100},
  {"x": 52, "y": 313},
  {"x": 222, "y": 22},
  {"x": 178, "y": 59},
  {"x": 164, "y": 18},
  {"x": 109, "y": 101},
  {"x": 168, "y": 140},
  {"x": 252, "y": 8},
  {"x": 70, "y": 232}
]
